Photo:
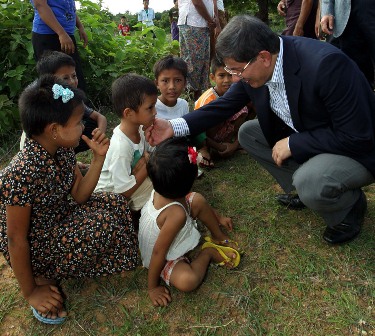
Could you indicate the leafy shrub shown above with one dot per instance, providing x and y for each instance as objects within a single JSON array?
[{"x": 107, "y": 56}]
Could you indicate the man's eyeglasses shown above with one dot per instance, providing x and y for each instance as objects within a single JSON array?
[{"x": 239, "y": 74}]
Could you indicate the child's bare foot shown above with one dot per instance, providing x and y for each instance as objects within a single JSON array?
[
  {"x": 225, "y": 241},
  {"x": 221, "y": 257}
]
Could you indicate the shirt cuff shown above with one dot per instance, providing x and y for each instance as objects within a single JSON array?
[{"x": 180, "y": 127}]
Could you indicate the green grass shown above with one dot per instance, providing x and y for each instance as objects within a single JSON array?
[{"x": 290, "y": 282}]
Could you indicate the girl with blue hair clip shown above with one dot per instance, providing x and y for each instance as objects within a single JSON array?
[{"x": 51, "y": 226}]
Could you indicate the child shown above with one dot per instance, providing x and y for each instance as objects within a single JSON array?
[
  {"x": 170, "y": 78},
  {"x": 51, "y": 227},
  {"x": 167, "y": 229},
  {"x": 124, "y": 170},
  {"x": 123, "y": 27},
  {"x": 62, "y": 66},
  {"x": 222, "y": 138}
]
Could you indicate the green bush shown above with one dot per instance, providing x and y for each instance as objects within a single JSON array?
[{"x": 107, "y": 55}]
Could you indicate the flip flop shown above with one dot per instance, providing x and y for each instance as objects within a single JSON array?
[
  {"x": 206, "y": 163},
  {"x": 221, "y": 249},
  {"x": 46, "y": 320},
  {"x": 227, "y": 241}
]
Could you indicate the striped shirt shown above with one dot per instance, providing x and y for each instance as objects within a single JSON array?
[{"x": 276, "y": 87}]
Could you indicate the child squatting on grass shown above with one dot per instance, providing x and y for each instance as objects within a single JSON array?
[
  {"x": 51, "y": 226},
  {"x": 167, "y": 228}
]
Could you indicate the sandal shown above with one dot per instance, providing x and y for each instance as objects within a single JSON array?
[
  {"x": 225, "y": 243},
  {"x": 206, "y": 163},
  {"x": 47, "y": 320},
  {"x": 221, "y": 249}
]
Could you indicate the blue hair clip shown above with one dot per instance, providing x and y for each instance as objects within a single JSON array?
[{"x": 59, "y": 91}]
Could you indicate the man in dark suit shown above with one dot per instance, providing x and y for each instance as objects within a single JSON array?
[{"x": 316, "y": 120}]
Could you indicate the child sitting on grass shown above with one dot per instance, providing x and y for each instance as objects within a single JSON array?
[
  {"x": 63, "y": 67},
  {"x": 167, "y": 229},
  {"x": 51, "y": 226},
  {"x": 223, "y": 138},
  {"x": 124, "y": 170}
]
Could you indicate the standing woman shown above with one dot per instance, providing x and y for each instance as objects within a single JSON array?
[
  {"x": 53, "y": 29},
  {"x": 196, "y": 18}
]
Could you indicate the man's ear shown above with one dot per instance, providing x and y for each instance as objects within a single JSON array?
[{"x": 266, "y": 57}]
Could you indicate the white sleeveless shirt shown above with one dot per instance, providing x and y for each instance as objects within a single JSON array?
[{"x": 186, "y": 240}]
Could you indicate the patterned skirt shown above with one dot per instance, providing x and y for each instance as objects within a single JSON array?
[
  {"x": 195, "y": 51},
  {"x": 95, "y": 239}
]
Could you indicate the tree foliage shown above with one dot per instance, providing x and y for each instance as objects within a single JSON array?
[{"x": 107, "y": 55}]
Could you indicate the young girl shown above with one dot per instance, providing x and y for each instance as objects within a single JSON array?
[
  {"x": 51, "y": 228},
  {"x": 167, "y": 229}
]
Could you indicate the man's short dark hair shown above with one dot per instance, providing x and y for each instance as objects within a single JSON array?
[{"x": 244, "y": 37}]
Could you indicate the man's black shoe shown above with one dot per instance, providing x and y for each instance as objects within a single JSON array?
[
  {"x": 350, "y": 227},
  {"x": 291, "y": 201}
]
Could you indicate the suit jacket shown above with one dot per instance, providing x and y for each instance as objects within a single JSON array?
[
  {"x": 331, "y": 103},
  {"x": 340, "y": 9}
]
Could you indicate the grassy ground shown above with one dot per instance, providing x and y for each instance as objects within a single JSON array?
[{"x": 290, "y": 282}]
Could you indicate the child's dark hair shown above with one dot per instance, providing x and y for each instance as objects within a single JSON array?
[
  {"x": 215, "y": 65},
  {"x": 51, "y": 61},
  {"x": 123, "y": 17},
  {"x": 129, "y": 91},
  {"x": 170, "y": 62},
  {"x": 170, "y": 170},
  {"x": 38, "y": 107}
]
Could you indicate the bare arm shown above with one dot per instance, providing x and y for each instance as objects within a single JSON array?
[
  {"x": 140, "y": 174},
  {"x": 317, "y": 21},
  {"x": 202, "y": 10},
  {"x": 84, "y": 186},
  {"x": 303, "y": 15},
  {"x": 81, "y": 31},
  {"x": 170, "y": 221},
  {"x": 47, "y": 15},
  {"x": 43, "y": 298},
  {"x": 216, "y": 14},
  {"x": 100, "y": 119}
]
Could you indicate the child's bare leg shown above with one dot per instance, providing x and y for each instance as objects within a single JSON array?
[
  {"x": 187, "y": 277},
  {"x": 203, "y": 211}
]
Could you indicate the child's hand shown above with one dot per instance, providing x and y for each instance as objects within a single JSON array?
[
  {"x": 159, "y": 296},
  {"x": 226, "y": 222},
  {"x": 99, "y": 143},
  {"x": 141, "y": 164},
  {"x": 46, "y": 299}
]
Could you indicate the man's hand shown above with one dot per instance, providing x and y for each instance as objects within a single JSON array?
[
  {"x": 160, "y": 130},
  {"x": 327, "y": 23},
  {"x": 281, "y": 151}
]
